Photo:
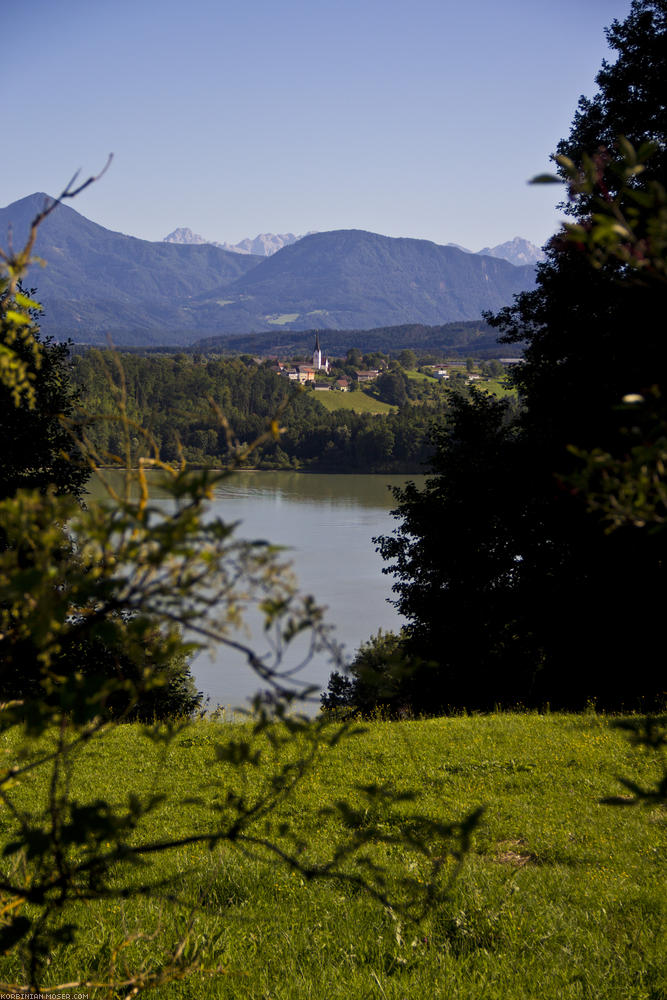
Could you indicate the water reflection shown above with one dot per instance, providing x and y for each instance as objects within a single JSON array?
[{"x": 326, "y": 523}]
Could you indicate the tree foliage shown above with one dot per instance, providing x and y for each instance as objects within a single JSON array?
[
  {"x": 179, "y": 401},
  {"x": 37, "y": 448},
  {"x": 630, "y": 100},
  {"x": 130, "y": 585},
  {"x": 512, "y": 585}
]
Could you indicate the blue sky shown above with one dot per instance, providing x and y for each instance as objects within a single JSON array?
[{"x": 420, "y": 118}]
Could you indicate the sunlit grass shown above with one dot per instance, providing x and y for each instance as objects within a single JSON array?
[
  {"x": 356, "y": 400},
  {"x": 497, "y": 386},
  {"x": 416, "y": 376},
  {"x": 560, "y": 897}
]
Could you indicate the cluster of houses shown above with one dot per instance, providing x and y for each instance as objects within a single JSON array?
[
  {"x": 305, "y": 373},
  {"x": 320, "y": 365}
]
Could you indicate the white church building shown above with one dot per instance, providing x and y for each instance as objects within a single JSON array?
[{"x": 319, "y": 364}]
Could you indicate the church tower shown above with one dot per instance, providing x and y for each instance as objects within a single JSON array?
[{"x": 317, "y": 354}]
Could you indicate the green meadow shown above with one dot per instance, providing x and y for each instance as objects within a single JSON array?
[
  {"x": 357, "y": 401},
  {"x": 498, "y": 387},
  {"x": 557, "y": 895}
]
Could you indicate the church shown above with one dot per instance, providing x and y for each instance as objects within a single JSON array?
[{"x": 318, "y": 364}]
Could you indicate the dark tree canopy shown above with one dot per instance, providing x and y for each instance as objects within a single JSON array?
[
  {"x": 513, "y": 590},
  {"x": 39, "y": 452},
  {"x": 35, "y": 443},
  {"x": 631, "y": 96}
]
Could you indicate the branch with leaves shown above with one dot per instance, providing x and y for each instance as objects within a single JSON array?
[{"x": 97, "y": 603}]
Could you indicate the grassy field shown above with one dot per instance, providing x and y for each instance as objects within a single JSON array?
[
  {"x": 559, "y": 897},
  {"x": 357, "y": 401},
  {"x": 416, "y": 376},
  {"x": 498, "y": 387}
]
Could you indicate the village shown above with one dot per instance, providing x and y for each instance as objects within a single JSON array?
[{"x": 324, "y": 374}]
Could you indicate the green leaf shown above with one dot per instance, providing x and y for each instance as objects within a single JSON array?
[
  {"x": 25, "y": 302},
  {"x": 545, "y": 179},
  {"x": 17, "y": 318},
  {"x": 627, "y": 150}
]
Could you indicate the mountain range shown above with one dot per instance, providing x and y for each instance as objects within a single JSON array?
[
  {"x": 263, "y": 245},
  {"x": 517, "y": 251},
  {"x": 100, "y": 283}
]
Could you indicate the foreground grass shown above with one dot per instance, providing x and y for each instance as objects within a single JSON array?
[{"x": 560, "y": 896}]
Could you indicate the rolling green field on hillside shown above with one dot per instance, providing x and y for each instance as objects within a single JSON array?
[
  {"x": 357, "y": 401},
  {"x": 558, "y": 897},
  {"x": 415, "y": 376},
  {"x": 498, "y": 387}
]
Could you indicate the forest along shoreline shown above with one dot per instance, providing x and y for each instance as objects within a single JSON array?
[{"x": 205, "y": 409}]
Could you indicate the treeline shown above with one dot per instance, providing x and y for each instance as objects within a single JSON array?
[
  {"x": 178, "y": 401},
  {"x": 466, "y": 338}
]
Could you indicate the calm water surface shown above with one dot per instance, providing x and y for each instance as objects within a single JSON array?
[{"x": 326, "y": 523}]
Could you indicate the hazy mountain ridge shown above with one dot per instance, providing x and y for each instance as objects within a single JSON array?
[
  {"x": 350, "y": 278},
  {"x": 263, "y": 245},
  {"x": 99, "y": 283},
  {"x": 518, "y": 251}
]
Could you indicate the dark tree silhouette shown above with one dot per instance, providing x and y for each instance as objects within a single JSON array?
[
  {"x": 514, "y": 592},
  {"x": 35, "y": 442}
]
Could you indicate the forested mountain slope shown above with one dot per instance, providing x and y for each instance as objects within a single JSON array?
[
  {"x": 468, "y": 337},
  {"x": 349, "y": 278},
  {"x": 100, "y": 283}
]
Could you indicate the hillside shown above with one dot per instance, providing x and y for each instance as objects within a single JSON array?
[
  {"x": 349, "y": 278},
  {"x": 99, "y": 283},
  {"x": 465, "y": 338}
]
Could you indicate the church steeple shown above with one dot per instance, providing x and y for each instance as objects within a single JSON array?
[{"x": 317, "y": 353}]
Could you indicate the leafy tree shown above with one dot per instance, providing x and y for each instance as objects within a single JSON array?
[
  {"x": 375, "y": 359},
  {"x": 131, "y": 575},
  {"x": 631, "y": 97},
  {"x": 456, "y": 568},
  {"x": 510, "y": 583},
  {"x": 376, "y": 678},
  {"x": 36, "y": 443},
  {"x": 38, "y": 450},
  {"x": 390, "y": 387},
  {"x": 408, "y": 359}
]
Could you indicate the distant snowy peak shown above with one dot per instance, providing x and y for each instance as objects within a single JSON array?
[
  {"x": 264, "y": 245},
  {"x": 517, "y": 251},
  {"x": 188, "y": 237}
]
